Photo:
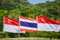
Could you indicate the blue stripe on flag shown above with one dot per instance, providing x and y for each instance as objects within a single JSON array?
[{"x": 27, "y": 24}]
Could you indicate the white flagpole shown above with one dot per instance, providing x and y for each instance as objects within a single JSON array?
[
  {"x": 3, "y": 27},
  {"x": 19, "y": 30},
  {"x": 5, "y": 31},
  {"x": 37, "y": 27},
  {"x": 3, "y": 24}
]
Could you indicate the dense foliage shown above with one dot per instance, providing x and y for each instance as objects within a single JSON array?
[{"x": 15, "y": 8}]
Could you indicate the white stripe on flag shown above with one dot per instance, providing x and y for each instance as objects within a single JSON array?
[
  {"x": 23, "y": 27},
  {"x": 47, "y": 27},
  {"x": 25, "y": 20},
  {"x": 12, "y": 29}
]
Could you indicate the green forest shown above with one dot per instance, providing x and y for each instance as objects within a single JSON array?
[{"x": 15, "y": 8}]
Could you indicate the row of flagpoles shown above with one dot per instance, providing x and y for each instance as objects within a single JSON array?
[{"x": 25, "y": 24}]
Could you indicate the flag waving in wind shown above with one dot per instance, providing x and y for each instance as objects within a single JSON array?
[
  {"x": 45, "y": 24},
  {"x": 28, "y": 24},
  {"x": 58, "y": 23},
  {"x": 11, "y": 25}
]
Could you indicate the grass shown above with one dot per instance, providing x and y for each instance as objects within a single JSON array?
[{"x": 27, "y": 38}]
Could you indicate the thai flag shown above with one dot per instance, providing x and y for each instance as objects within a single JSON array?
[
  {"x": 28, "y": 24},
  {"x": 11, "y": 25},
  {"x": 46, "y": 24}
]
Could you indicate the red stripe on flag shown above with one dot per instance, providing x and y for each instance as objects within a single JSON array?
[
  {"x": 10, "y": 21},
  {"x": 42, "y": 19},
  {"x": 26, "y": 18},
  {"x": 27, "y": 30},
  {"x": 57, "y": 21}
]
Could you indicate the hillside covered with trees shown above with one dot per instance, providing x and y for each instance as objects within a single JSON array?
[{"x": 15, "y": 8}]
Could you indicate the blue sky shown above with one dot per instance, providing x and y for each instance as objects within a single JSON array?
[{"x": 38, "y": 1}]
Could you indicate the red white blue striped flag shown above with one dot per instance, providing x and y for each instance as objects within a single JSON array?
[{"x": 28, "y": 24}]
